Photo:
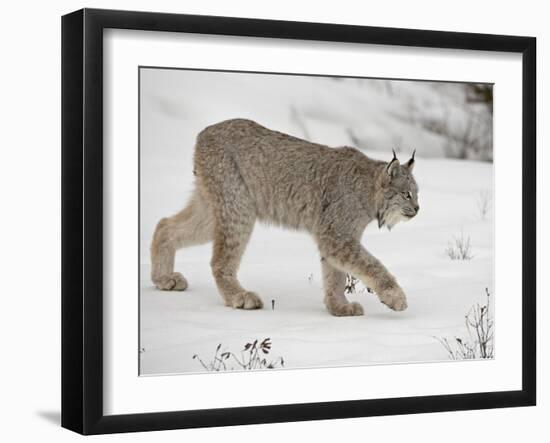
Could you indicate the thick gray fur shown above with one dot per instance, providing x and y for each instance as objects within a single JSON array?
[{"x": 246, "y": 172}]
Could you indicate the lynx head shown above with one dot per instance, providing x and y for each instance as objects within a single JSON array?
[{"x": 400, "y": 193}]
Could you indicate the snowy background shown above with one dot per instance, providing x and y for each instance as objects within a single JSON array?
[{"x": 450, "y": 126}]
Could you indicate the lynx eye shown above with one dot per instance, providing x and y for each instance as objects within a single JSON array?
[{"x": 407, "y": 195}]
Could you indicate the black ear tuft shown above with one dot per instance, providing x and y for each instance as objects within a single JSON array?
[
  {"x": 410, "y": 164},
  {"x": 393, "y": 166}
]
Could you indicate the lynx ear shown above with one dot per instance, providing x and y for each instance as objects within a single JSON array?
[
  {"x": 410, "y": 164},
  {"x": 393, "y": 166}
]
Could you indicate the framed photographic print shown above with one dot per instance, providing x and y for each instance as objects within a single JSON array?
[{"x": 269, "y": 221}]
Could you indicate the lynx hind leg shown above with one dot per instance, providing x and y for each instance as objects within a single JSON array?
[
  {"x": 335, "y": 299},
  {"x": 230, "y": 239},
  {"x": 174, "y": 281},
  {"x": 192, "y": 226},
  {"x": 234, "y": 215}
]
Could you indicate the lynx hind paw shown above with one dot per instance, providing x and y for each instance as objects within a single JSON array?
[
  {"x": 172, "y": 282},
  {"x": 347, "y": 310},
  {"x": 246, "y": 300},
  {"x": 394, "y": 299}
]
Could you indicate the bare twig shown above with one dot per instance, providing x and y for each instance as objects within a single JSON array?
[
  {"x": 480, "y": 341},
  {"x": 460, "y": 248},
  {"x": 484, "y": 203},
  {"x": 252, "y": 356},
  {"x": 351, "y": 284}
]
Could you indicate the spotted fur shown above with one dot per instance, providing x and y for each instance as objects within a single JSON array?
[{"x": 245, "y": 172}]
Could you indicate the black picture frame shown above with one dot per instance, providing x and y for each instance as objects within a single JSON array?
[{"x": 82, "y": 220}]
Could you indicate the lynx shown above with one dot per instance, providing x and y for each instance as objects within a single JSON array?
[{"x": 246, "y": 172}]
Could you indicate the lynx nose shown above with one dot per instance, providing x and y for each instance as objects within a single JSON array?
[{"x": 416, "y": 208}]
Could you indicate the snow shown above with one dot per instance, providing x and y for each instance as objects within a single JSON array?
[{"x": 283, "y": 265}]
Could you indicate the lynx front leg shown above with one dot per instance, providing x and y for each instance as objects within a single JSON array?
[
  {"x": 347, "y": 255},
  {"x": 335, "y": 298}
]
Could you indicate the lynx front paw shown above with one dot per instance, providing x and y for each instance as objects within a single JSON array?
[
  {"x": 394, "y": 299},
  {"x": 346, "y": 309},
  {"x": 171, "y": 282},
  {"x": 246, "y": 300}
]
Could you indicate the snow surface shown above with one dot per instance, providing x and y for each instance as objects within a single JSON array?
[{"x": 283, "y": 265}]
